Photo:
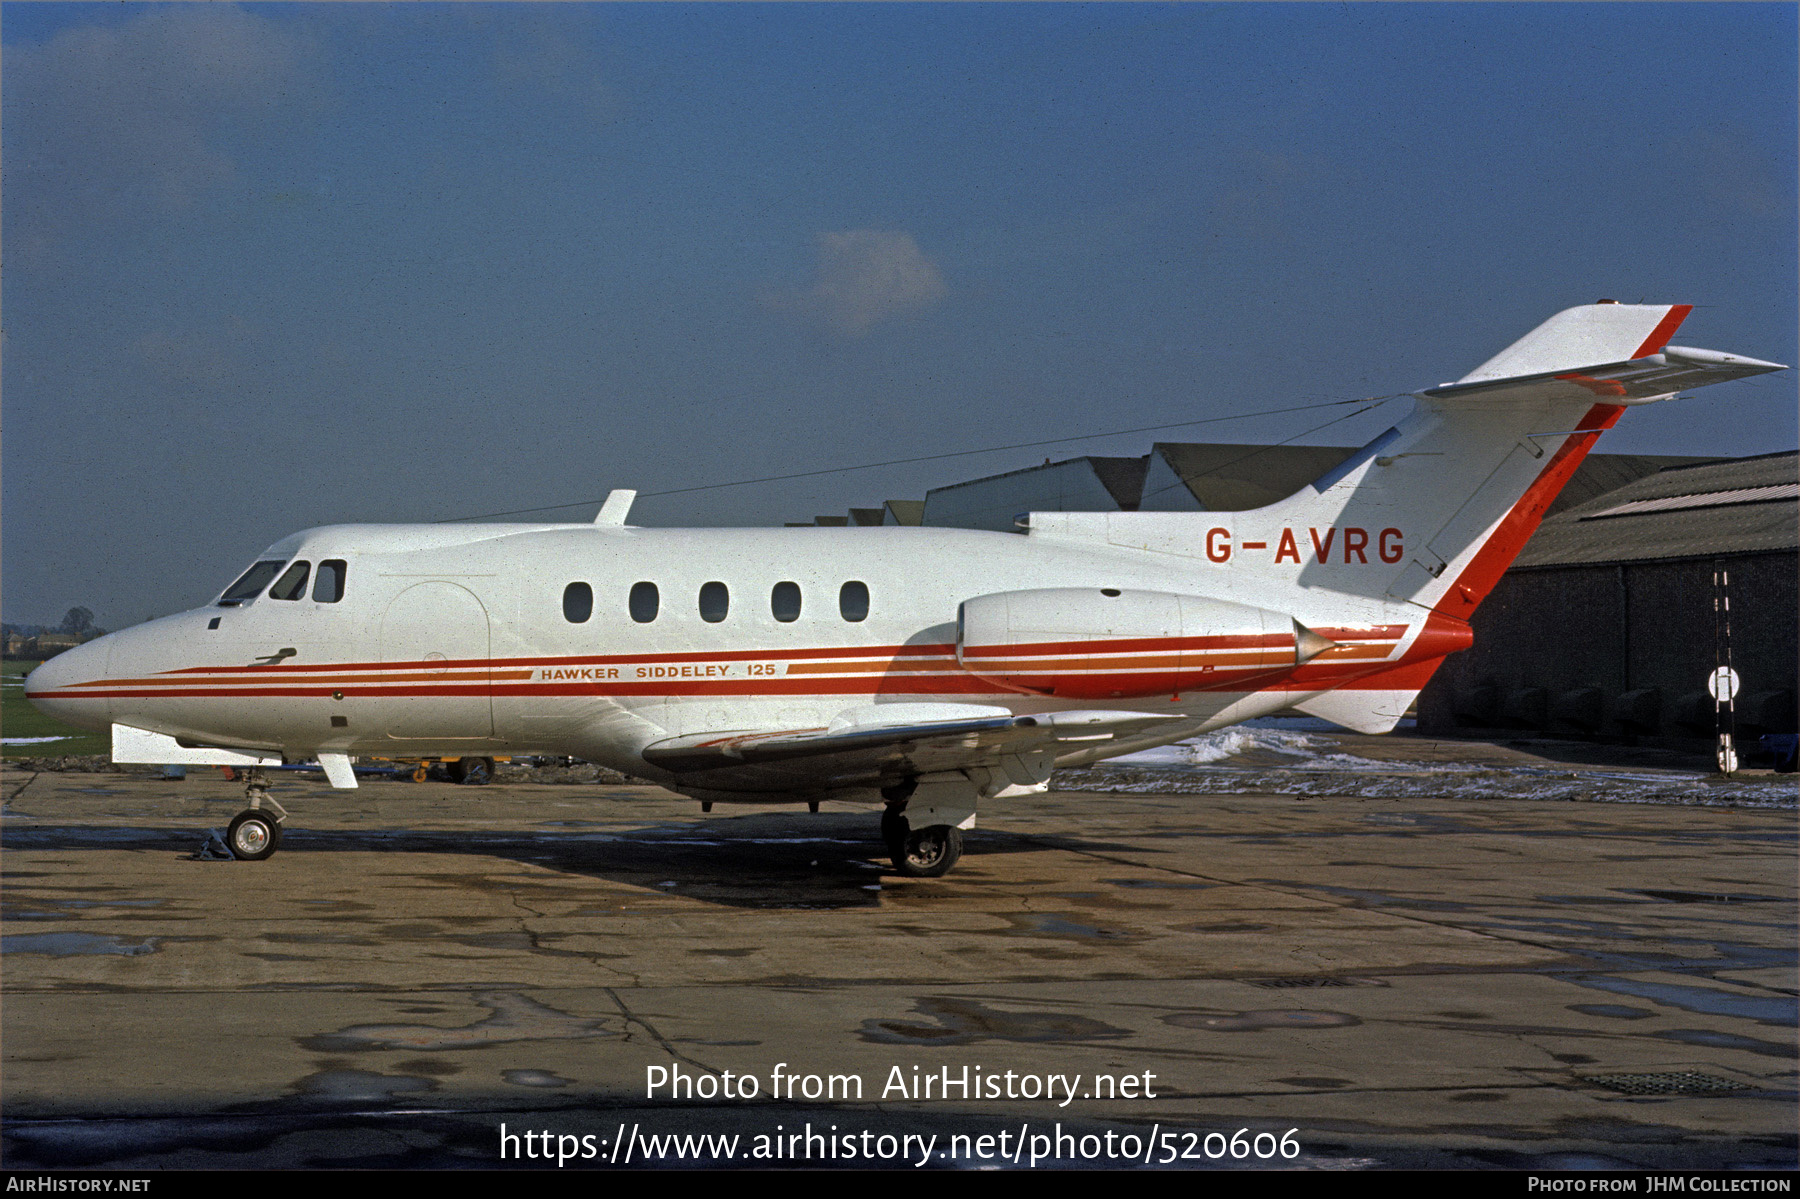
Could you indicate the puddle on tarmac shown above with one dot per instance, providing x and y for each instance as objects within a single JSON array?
[
  {"x": 535, "y": 1078},
  {"x": 1725, "y": 1040},
  {"x": 965, "y": 1021},
  {"x": 1765, "y": 1009},
  {"x": 360, "y": 1085},
  {"x": 504, "y": 940},
  {"x": 512, "y": 1018},
  {"x": 66, "y": 945},
  {"x": 1227, "y": 927},
  {"x": 1615, "y": 1011},
  {"x": 1379, "y": 899},
  {"x": 106, "y": 903},
  {"x": 1062, "y": 926},
  {"x": 1158, "y": 884},
  {"x": 1578, "y": 1161},
  {"x": 1707, "y": 897},
  {"x": 1257, "y": 1021}
]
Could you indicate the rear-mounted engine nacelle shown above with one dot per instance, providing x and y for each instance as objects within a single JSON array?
[{"x": 1086, "y": 643}]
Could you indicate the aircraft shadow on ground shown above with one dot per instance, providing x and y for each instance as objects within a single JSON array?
[{"x": 773, "y": 861}]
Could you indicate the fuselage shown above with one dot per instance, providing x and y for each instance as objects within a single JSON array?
[{"x": 595, "y": 641}]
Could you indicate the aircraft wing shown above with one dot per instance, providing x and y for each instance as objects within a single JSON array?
[
  {"x": 885, "y": 743},
  {"x": 1637, "y": 381}
]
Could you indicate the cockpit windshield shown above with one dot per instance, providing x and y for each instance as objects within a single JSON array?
[
  {"x": 291, "y": 585},
  {"x": 251, "y": 584}
]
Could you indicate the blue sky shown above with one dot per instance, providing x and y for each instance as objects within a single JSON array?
[{"x": 273, "y": 266}]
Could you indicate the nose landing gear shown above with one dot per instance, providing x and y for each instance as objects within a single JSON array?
[
  {"x": 253, "y": 836},
  {"x": 253, "y": 833}
]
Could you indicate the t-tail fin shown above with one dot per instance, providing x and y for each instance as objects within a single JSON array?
[{"x": 1434, "y": 510}]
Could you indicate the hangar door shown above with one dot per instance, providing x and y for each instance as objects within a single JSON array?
[{"x": 443, "y": 629}]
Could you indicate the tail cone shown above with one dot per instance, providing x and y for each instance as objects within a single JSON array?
[{"x": 1308, "y": 644}]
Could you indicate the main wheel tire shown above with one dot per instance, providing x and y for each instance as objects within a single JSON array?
[
  {"x": 253, "y": 835},
  {"x": 476, "y": 772},
  {"x": 929, "y": 852}
]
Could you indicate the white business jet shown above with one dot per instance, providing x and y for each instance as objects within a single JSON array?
[{"x": 922, "y": 669}]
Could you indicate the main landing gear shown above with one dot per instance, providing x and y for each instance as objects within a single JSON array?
[
  {"x": 475, "y": 772},
  {"x": 919, "y": 853},
  {"x": 255, "y": 834}
]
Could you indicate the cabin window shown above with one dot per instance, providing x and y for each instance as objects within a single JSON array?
[
  {"x": 784, "y": 602},
  {"x": 644, "y": 602},
  {"x": 715, "y": 602},
  {"x": 578, "y": 603},
  {"x": 328, "y": 584},
  {"x": 251, "y": 583},
  {"x": 292, "y": 584},
  {"x": 853, "y": 601}
]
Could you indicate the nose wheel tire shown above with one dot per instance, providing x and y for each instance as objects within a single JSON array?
[
  {"x": 253, "y": 835},
  {"x": 929, "y": 852}
]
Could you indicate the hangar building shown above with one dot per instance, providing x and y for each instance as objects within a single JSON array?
[{"x": 1605, "y": 623}]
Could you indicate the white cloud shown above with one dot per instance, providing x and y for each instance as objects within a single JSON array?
[
  {"x": 863, "y": 277},
  {"x": 103, "y": 120}
]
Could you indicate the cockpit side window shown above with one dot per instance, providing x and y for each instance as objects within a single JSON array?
[
  {"x": 292, "y": 584},
  {"x": 328, "y": 587},
  {"x": 250, "y": 585}
]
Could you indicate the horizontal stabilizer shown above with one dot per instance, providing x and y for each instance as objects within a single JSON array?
[
  {"x": 1604, "y": 332},
  {"x": 1633, "y": 381}
]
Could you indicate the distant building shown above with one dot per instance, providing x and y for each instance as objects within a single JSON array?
[
  {"x": 32, "y": 642},
  {"x": 1190, "y": 477},
  {"x": 903, "y": 512},
  {"x": 1087, "y": 484},
  {"x": 1604, "y": 626},
  {"x": 1231, "y": 478}
]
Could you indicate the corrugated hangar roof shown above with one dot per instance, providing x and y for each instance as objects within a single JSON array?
[
  {"x": 1237, "y": 478},
  {"x": 1229, "y": 477},
  {"x": 1738, "y": 506}
]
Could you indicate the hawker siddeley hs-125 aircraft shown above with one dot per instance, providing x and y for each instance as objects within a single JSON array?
[{"x": 923, "y": 669}]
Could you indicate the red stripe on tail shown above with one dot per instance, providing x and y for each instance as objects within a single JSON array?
[{"x": 1665, "y": 329}]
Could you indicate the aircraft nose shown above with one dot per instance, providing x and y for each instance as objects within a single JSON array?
[{"x": 53, "y": 688}]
